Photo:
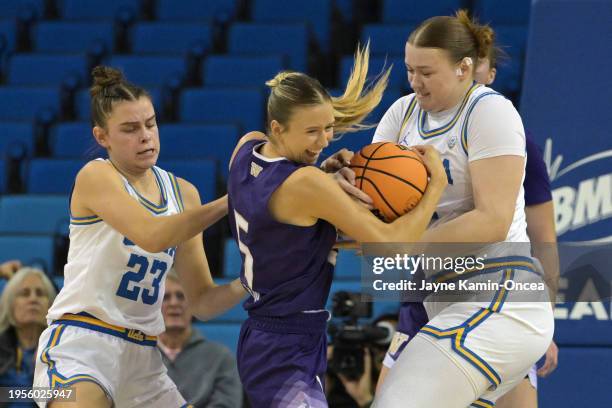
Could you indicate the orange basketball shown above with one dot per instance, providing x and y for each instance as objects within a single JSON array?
[{"x": 394, "y": 176}]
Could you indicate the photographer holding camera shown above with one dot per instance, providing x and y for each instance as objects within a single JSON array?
[
  {"x": 356, "y": 351},
  {"x": 345, "y": 392}
]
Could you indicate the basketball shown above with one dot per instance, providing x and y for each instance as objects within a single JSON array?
[{"x": 392, "y": 175}]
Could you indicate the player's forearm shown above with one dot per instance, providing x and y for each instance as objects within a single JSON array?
[
  {"x": 473, "y": 226},
  {"x": 541, "y": 231},
  {"x": 411, "y": 226},
  {"x": 216, "y": 300},
  {"x": 167, "y": 232},
  {"x": 549, "y": 258}
]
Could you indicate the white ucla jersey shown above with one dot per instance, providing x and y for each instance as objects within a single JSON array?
[
  {"x": 110, "y": 277},
  {"x": 485, "y": 124}
]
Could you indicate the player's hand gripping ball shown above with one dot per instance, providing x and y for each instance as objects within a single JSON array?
[{"x": 392, "y": 175}]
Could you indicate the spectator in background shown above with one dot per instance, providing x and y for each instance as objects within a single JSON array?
[
  {"x": 8, "y": 268},
  {"x": 23, "y": 307},
  {"x": 204, "y": 372}
]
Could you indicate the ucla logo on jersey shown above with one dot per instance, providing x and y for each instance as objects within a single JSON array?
[
  {"x": 135, "y": 334},
  {"x": 452, "y": 141},
  {"x": 582, "y": 195}
]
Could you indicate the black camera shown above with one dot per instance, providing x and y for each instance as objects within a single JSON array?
[{"x": 349, "y": 338}]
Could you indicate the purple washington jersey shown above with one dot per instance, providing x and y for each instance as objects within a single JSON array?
[
  {"x": 412, "y": 315},
  {"x": 537, "y": 183},
  {"x": 286, "y": 268}
]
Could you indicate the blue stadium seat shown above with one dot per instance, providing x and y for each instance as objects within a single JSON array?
[
  {"x": 200, "y": 173},
  {"x": 74, "y": 141},
  {"x": 16, "y": 139},
  {"x": 496, "y": 12},
  {"x": 171, "y": 38},
  {"x": 3, "y": 176},
  {"x": 51, "y": 176},
  {"x": 209, "y": 10},
  {"x": 34, "y": 214},
  {"x": 155, "y": 71},
  {"x": 391, "y": 95},
  {"x": 29, "y": 103},
  {"x": 185, "y": 141},
  {"x": 70, "y": 70},
  {"x": 224, "y": 333},
  {"x": 22, "y": 8},
  {"x": 344, "y": 9},
  {"x": 414, "y": 11},
  {"x": 290, "y": 40},
  {"x": 243, "y": 106},
  {"x": 30, "y": 250},
  {"x": 8, "y": 35},
  {"x": 386, "y": 39},
  {"x": 124, "y": 10},
  {"x": 513, "y": 41},
  {"x": 59, "y": 282},
  {"x": 316, "y": 13},
  {"x": 229, "y": 70},
  {"x": 397, "y": 79},
  {"x": 348, "y": 265},
  {"x": 232, "y": 261},
  {"x": 97, "y": 38},
  {"x": 83, "y": 102}
]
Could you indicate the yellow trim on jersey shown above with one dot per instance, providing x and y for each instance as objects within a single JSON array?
[
  {"x": 131, "y": 333},
  {"x": 407, "y": 116},
  {"x": 436, "y": 132},
  {"x": 55, "y": 377},
  {"x": 459, "y": 333},
  {"x": 467, "y": 117},
  {"x": 177, "y": 191},
  {"x": 85, "y": 220},
  {"x": 481, "y": 403}
]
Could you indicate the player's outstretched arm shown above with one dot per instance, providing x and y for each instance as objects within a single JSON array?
[
  {"x": 543, "y": 237},
  {"x": 206, "y": 299},
  {"x": 99, "y": 191},
  {"x": 310, "y": 194}
]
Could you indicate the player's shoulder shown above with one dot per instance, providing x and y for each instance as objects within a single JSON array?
[
  {"x": 189, "y": 192},
  {"x": 306, "y": 181},
  {"x": 94, "y": 171},
  {"x": 487, "y": 101},
  {"x": 246, "y": 139},
  {"x": 307, "y": 175},
  {"x": 403, "y": 103}
]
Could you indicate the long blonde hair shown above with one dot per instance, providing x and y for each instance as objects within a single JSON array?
[
  {"x": 289, "y": 90},
  {"x": 7, "y": 317}
]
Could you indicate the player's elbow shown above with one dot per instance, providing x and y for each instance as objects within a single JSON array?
[
  {"x": 201, "y": 315},
  {"x": 150, "y": 245},
  {"x": 499, "y": 225},
  {"x": 150, "y": 242}
]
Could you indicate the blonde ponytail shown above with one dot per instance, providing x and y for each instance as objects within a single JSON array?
[
  {"x": 288, "y": 90},
  {"x": 354, "y": 105}
]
